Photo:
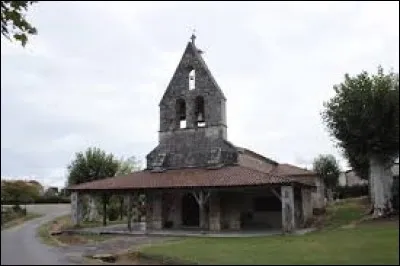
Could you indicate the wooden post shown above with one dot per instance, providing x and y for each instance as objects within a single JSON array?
[
  {"x": 129, "y": 201},
  {"x": 121, "y": 208},
  {"x": 105, "y": 200}
]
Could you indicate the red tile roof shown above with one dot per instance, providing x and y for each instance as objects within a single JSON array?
[
  {"x": 228, "y": 176},
  {"x": 291, "y": 170}
]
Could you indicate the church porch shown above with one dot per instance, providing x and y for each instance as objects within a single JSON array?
[{"x": 266, "y": 208}]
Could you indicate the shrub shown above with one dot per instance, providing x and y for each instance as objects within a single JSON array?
[
  {"x": 112, "y": 212},
  {"x": 351, "y": 191},
  {"x": 40, "y": 200}
]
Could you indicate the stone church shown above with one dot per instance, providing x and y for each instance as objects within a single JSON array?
[{"x": 196, "y": 178}]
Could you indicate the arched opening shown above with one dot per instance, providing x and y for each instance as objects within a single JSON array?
[
  {"x": 181, "y": 113},
  {"x": 190, "y": 211},
  {"x": 192, "y": 79},
  {"x": 199, "y": 112}
]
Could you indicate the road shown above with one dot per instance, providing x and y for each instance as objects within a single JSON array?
[{"x": 20, "y": 245}]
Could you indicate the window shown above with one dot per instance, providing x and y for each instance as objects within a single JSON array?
[
  {"x": 264, "y": 204},
  {"x": 199, "y": 112},
  {"x": 181, "y": 113},
  {"x": 192, "y": 80}
]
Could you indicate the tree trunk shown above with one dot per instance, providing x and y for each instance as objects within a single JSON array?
[
  {"x": 202, "y": 216},
  {"x": 380, "y": 182}
]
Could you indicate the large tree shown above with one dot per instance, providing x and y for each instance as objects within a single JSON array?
[
  {"x": 327, "y": 167},
  {"x": 18, "y": 192},
  {"x": 14, "y": 25},
  {"x": 363, "y": 116},
  {"x": 129, "y": 165},
  {"x": 93, "y": 164}
]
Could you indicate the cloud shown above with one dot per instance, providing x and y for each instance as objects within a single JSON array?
[{"x": 95, "y": 73}]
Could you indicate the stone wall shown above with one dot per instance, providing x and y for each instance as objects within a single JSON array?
[{"x": 192, "y": 146}]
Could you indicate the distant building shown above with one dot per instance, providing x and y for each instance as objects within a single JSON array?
[
  {"x": 51, "y": 191},
  {"x": 350, "y": 178}
]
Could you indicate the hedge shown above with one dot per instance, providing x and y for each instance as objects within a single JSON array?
[
  {"x": 352, "y": 191},
  {"x": 40, "y": 200}
]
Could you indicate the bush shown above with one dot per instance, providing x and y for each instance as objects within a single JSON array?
[
  {"x": 352, "y": 191},
  {"x": 40, "y": 200},
  {"x": 112, "y": 213}
]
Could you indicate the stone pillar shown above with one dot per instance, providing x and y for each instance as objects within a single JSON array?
[
  {"x": 320, "y": 194},
  {"x": 215, "y": 212},
  {"x": 93, "y": 212},
  {"x": 307, "y": 207},
  {"x": 176, "y": 212},
  {"x": 155, "y": 201},
  {"x": 234, "y": 211},
  {"x": 149, "y": 210},
  {"x": 129, "y": 202},
  {"x": 288, "y": 219},
  {"x": 76, "y": 208}
]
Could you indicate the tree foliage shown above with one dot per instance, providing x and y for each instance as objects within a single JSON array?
[
  {"x": 358, "y": 161},
  {"x": 363, "y": 116},
  {"x": 93, "y": 164},
  {"x": 128, "y": 166},
  {"x": 327, "y": 167},
  {"x": 18, "y": 191},
  {"x": 13, "y": 22}
]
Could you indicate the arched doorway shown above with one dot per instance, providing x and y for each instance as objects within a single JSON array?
[{"x": 190, "y": 211}]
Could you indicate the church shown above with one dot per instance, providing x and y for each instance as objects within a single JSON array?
[{"x": 196, "y": 178}]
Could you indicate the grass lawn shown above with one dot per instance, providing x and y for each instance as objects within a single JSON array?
[
  {"x": 374, "y": 242},
  {"x": 20, "y": 220},
  {"x": 64, "y": 222}
]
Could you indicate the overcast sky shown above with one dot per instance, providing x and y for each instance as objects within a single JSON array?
[{"x": 96, "y": 71}]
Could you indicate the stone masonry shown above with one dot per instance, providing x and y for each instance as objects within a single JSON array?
[
  {"x": 288, "y": 212},
  {"x": 192, "y": 146},
  {"x": 76, "y": 208},
  {"x": 215, "y": 212},
  {"x": 307, "y": 208}
]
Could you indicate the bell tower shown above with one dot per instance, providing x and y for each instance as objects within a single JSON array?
[{"x": 192, "y": 117}]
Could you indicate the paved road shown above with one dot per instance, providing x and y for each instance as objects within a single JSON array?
[{"x": 19, "y": 245}]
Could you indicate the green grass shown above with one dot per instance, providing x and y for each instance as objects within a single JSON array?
[
  {"x": 345, "y": 212},
  {"x": 20, "y": 220},
  {"x": 365, "y": 243}
]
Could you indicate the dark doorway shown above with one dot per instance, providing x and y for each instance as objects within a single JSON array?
[{"x": 190, "y": 211}]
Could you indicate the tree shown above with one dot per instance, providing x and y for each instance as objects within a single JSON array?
[
  {"x": 328, "y": 169},
  {"x": 18, "y": 192},
  {"x": 363, "y": 116},
  {"x": 13, "y": 22},
  {"x": 91, "y": 165},
  {"x": 128, "y": 166}
]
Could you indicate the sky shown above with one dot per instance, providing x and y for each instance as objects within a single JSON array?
[{"x": 96, "y": 71}]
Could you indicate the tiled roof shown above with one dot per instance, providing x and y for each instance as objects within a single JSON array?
[
  {"x": 228, "y": 176},
  {"x": 291, "y": 170}
]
